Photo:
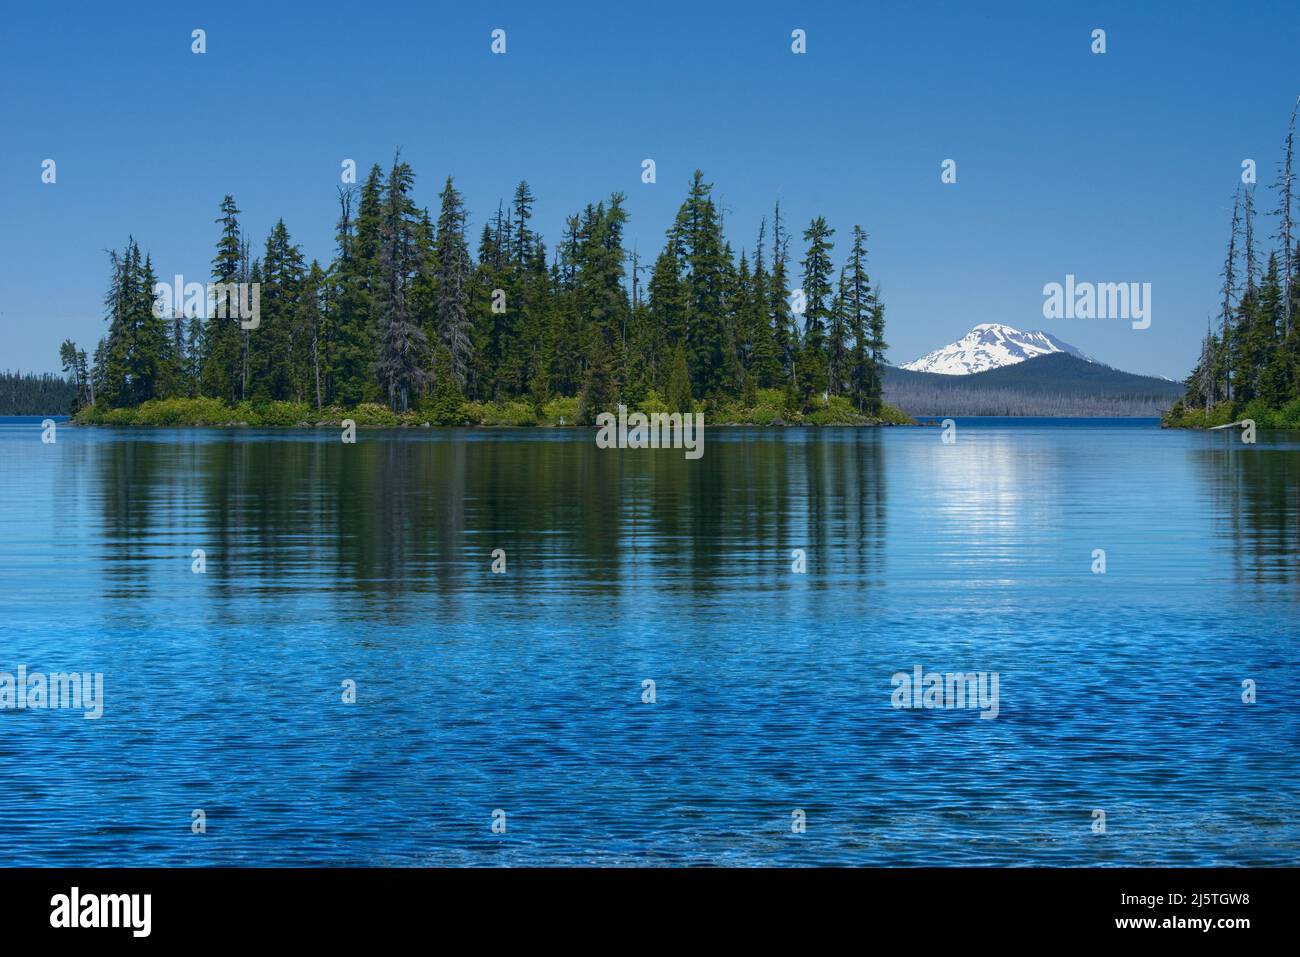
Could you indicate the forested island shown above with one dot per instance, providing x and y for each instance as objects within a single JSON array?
[
  {"x": 1249, "y": 367},
  {"x": 405, "y": 326}
]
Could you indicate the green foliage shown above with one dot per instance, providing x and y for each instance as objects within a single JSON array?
[
  {"x": 158, "y": 413},
  {"x": 893, "y": 416},
  {"x": 1264, "y": 415},
  {"x": 767, "y": 407},
  {"x": 515, "y": 412},
  {"x": 770, "y": 406},
  {"x": 561, "y": 409},
  {"x": 679, "y": 385},
  {"x": 446, "y": 405},
  {"x": 599, "y": 391},
  {"x": 837, "y": 410},
  {"x": 283, "y": 413},
  {"x": 652, "y": 403},
  {"x": 373, "y": 414}
]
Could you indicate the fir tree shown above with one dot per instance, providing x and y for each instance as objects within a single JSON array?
[
  {"x": 403, "y": 348},
  {"x": 452, "y": 267},
  {"x": 221, "y": 361},
  {"x": 817, "y": 297}
]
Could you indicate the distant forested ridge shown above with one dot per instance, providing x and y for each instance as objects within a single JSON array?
[
  {"x": 1056, "y": 384},
  {"x": 29, "y": 393},
  {"x": 406, "y": 319},
  {"x": 1249, "y": 365}
]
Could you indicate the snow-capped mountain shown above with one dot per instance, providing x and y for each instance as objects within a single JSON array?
[{"x": 990, "y": 345}]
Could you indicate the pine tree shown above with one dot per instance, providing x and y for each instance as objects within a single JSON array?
[
  {"x": 311, "y": 325},
  {"x": 876, "y": 326},
  {"x": 522, "y": 210},
  {"x": 856, "y": 295},
  {"x": 274, "y": 362},
  {"x": 696, "y": 238},
  {"x": 73, "y": 365},
  {"x": 837, "y": 340},
  {"x": 785, "y": 335},
  {"x": 1217, "y": 367},
  {"x": 765, "y": 359},
  {"x": 403, "y": 348},
  {"x": 349, "y": 340},
  {"x": 220, "y": 363},
  {"x": 817, "y": 297},
  {"x": 453, "y": 268}
]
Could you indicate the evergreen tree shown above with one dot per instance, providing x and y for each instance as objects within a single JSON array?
[
  {"x": 817, "y": 297},
  {"x": 274, "y": 362},
  {"x": 700, "y": 248},
  {"x": 785, "y": 335},
  {"x": 522, "y": 211},
  {"x": 864, "y": 319},
  {"x": 453, "y": 268},
  {"x": 765, "y": 359},
  {"x": 403, "y": 348},
  {"x": 221, "y": 360},
  {"x": 349, "y": 340},
  {"x": 837, "y": 340}
]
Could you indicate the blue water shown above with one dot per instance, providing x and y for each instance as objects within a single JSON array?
[{"x": 522, "y": 691}]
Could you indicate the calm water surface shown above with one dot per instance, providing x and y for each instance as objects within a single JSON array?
[{"x": 522, "y": 691}]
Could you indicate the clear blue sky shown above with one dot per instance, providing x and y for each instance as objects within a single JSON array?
[{"x": 1115, "y": 167}]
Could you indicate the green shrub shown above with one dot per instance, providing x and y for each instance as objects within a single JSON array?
[
  {"x": 245, "y": 413},
  {"x": 1181, "y": 416},
  {"x": 165, "y": 412},
  {"x": 283, "y": 413},
  {"x": 515, "y": 412},
  {"x": 372, "y": 414},
  {"x": 770, "y": 406},
  {"x": 1288, "y": 417},
  {"x": 119, "y": 417},
  {"x": 561, "y": 408},
  {"x": 837, "y": 410},
  {"x": 446, "y": 406},
  {"x": 1258, "y": 410},
  {"x": 894, "y": 416}
]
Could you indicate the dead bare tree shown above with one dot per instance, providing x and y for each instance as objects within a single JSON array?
[
  {"x": 1229, "y": 288},
  {"x": 1285, "y": 184},
  {"x": 1251, "y": 265}
]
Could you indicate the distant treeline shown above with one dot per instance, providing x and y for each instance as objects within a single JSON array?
[
  {"x": 30, "y": 393},
  {"x": 918, "y": 401},
  {"x": 1056, "y": 384},
  {"x": 406, "y": 317},
  {"x": 1249, "y": 365}
]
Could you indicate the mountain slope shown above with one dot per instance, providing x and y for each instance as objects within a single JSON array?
[
  {"x": 1055, "y": 384},
  {"x": 990, "y": 345}
]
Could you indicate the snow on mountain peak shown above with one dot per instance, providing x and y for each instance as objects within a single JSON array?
[{"x": 990, "y": 345}]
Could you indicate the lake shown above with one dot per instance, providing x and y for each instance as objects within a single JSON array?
[{"x": 524, "y": 691}]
